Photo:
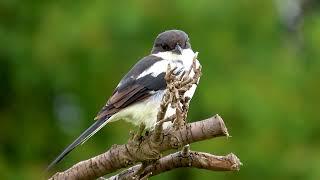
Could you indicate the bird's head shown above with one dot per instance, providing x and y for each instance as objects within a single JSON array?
[{"x": 171, "y": 40}]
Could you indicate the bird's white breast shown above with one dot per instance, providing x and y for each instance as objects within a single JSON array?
[{"x": 141, "y": 112}]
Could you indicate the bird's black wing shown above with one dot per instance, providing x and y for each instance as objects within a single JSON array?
[{"x": 129, "y": 91}]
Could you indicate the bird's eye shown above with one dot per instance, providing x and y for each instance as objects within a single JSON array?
[{"x": 165, "y": 47}]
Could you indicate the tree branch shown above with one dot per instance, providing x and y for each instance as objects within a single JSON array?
[
  {"x": 122, "y": 156},
  {"x": 199, "y": 160}
]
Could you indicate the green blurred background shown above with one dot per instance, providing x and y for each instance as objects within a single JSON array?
[{"x": 60, "y": 61}]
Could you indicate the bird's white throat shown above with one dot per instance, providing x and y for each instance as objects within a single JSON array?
[{"x": 186, "y": 56}]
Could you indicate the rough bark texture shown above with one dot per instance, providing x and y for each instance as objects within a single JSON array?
[
  {"x": 192, "y": 159},
  {"x": 122, "y": 156}
]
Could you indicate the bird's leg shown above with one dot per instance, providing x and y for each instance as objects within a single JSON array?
[
  {"x": 132, "y": 135},
  {"x": 138, "y": 136},
  {"x": 147, "y": 133}
]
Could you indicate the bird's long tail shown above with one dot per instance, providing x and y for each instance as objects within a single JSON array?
[{"x": 95, "y": 127}]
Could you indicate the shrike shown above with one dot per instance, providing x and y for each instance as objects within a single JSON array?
[{"x": 137, "y": 97}]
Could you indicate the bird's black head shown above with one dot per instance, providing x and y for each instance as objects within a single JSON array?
[{"x": 171, "y": 40}]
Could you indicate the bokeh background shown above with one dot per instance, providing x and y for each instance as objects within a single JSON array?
[{"x": 60, "y": 61}]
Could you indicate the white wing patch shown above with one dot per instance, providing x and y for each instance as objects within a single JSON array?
[{"x": 156, "y": 69}]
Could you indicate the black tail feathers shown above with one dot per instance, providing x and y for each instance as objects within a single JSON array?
[{"x": 95, "y": 127}]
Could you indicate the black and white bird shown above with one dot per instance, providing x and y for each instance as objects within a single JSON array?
[{"x": 137, "y": 97}]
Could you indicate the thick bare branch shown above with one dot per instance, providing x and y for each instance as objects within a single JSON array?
[
  {"x": 121, "y": 156},
  {"x": 193, "y": 159}
]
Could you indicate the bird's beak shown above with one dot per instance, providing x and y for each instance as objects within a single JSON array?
[{"x": 177, "y": 49}]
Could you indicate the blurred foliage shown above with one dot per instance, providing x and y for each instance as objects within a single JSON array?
[{"x": 60, "y": 60}]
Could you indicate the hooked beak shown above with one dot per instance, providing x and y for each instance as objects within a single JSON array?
[{"x": 177, "y": 49}]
